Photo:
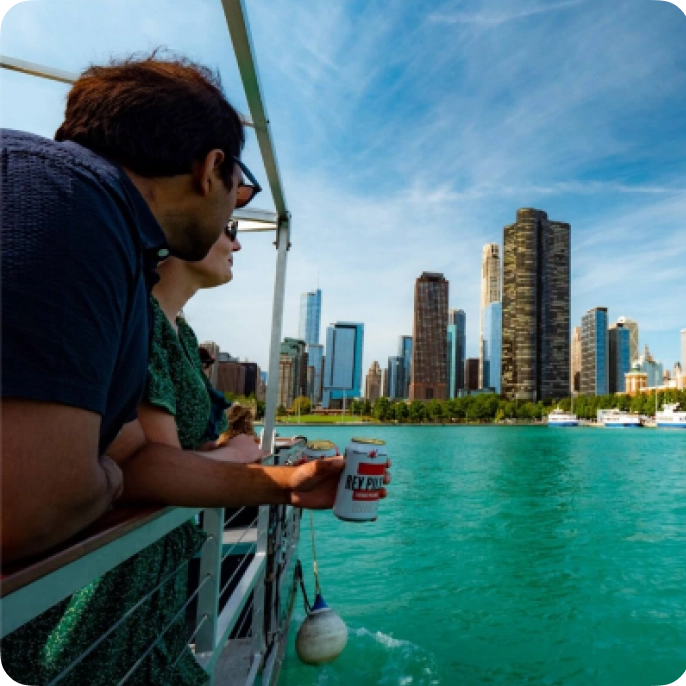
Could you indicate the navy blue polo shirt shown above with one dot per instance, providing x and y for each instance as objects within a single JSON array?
[{"x": 79, "y": 252}]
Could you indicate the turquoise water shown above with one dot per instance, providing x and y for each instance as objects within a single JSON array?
[{"x": 509, "y": 555}]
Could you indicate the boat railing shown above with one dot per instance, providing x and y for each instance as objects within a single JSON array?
[{"x": 233, "y": 611}]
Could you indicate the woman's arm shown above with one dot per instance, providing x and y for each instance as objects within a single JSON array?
[{"x": 160, "y": 427}]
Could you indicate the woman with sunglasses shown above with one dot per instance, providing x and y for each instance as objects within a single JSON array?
[{"x": 181, "y": 409}]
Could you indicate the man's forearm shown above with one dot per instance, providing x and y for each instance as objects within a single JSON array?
[{"x": 170, "y": 476}]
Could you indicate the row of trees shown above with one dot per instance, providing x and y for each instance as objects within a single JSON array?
[{"x": 492, "y": 407}]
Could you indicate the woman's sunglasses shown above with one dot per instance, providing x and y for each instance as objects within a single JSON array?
[
  {"x": 231, "y": 230},
  {"x": 246, "y": 191}
]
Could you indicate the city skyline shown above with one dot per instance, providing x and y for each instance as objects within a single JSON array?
[{"x": 575, "y": 133}]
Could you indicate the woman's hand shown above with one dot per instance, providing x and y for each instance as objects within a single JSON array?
[
  {"x": 242, "y": 449},
  {"x": 314, "y": 484}
]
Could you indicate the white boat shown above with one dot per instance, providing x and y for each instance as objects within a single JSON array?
[
  {"x": 559, "y": 417},
  {"x": 671, "y": 417},
  {"x": 618, "y": 419}
]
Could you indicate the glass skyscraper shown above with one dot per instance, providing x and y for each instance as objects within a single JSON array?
[
  {"x": 315, "y": 355},
  {"x": 620, "y": 356},
  {"x": 310, "y": 317},
  {"x": 595, "y": 353},
  {"x": 396, "y": 377},
  {"x": 343, "y": 362},
  {"x": 457, "y": 341},
  {"x": 492, "y": 345},
  {"x": 405, "y": 351}
]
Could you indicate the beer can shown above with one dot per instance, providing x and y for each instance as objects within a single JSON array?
[
  {"x": 357, "y": 498},
  {"x": 315, "y": 450}
]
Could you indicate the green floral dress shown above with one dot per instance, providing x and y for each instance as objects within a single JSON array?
[{"x": 38, "y": 651}]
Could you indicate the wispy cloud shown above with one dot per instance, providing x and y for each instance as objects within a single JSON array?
[{"x": 495, "y": 18}]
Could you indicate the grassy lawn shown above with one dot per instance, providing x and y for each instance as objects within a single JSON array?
[{"x": 325, "y": 419}]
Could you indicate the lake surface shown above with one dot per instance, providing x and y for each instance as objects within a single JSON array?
[{"x": 508, "y": 555}]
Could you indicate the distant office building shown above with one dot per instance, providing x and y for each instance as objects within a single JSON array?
[
  {"x": 683, "y": 349},
  {"x": 396, "y": 377},
  {"x": 678, "y": 377},
  {"x": 652, "y": 367},
  {"x": 230, "y": 377},
  {"x": 429, "y": 338},
  {"x": 491, "y": 348},
  {"x": 372, "y": 385},
  {"x": 405, "y": 351},
  {"x": 619, "y": 338},
  {"x": 384, "y": 383},
  {"x": 252, "y": 374},
  {"x": 635, "y": 381},
  {"x": 632, "y": 326},
  {"x": 490, "y": 293},
  {"x": 457, "y": 343},
  {"x": 310, "y": 317},
  {"x": 286, "y": 374},
  {"x": 536, "y": 299},
  {"x": 575, "y": 371},
  {"x": 471, "y": 373},
  {"x": 295, "y": 374},
  {"x": 595, "y": 378},
  {"x": 343, "y": 363},
  {"x": 315, "y": 359}
]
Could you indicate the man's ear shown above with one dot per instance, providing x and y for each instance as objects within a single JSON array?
[{"x": 207, "y": 174}]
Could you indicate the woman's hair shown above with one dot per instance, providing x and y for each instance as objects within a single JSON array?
[{"x": 155, "y": 116}]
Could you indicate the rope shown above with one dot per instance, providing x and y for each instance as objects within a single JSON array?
[{"x": 317, "y": 586}]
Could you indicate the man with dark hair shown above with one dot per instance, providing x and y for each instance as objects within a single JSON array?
[{"x": 146, "y": 164}]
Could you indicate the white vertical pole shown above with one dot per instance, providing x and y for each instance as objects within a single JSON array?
[
  {"x": 208, "y": 598},
  {"x": 282, "y": 245}
]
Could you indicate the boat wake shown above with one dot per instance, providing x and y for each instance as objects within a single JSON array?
[{"x": 371, "y": 658}]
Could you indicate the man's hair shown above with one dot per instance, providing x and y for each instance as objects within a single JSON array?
[{"x": 155, "y": 116}]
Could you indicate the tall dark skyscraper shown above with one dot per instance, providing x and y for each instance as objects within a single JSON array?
[
  {"x": 536, "y": 303},
  {"x": 429, "y": 338},
  {"x": 405, "y": 351}
]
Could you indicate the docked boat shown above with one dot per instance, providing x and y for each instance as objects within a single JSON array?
[
  {"x": 618, "y": 419},
  {"x": 671, "y": 417},
  {"x": 559, "y": 417}
]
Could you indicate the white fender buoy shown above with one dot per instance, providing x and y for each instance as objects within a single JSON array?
[{"x": 322, "y": 636}]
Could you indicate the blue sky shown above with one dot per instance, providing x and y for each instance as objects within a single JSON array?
[{"x": 408, "y": 134}]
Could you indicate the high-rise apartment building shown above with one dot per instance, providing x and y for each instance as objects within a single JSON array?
[
  {"x": 343, "y": 363},
  {"x": 683, "y": 349},
  {"x": 310, "y": 317},
  {"x": 315, "y": 360},
  {"x": 293, "y": 375},
  {"x": 405, "y": 351},
  {"x": 575, "y": 371},
  {"x": 429, "y": 354},
  {"x": 384, "y": 383},
  {"x": 595, "y": 352},
  {"x": 536, "y": 302},
  {"x": 491, "y": 348},
  {"x": 372, "y": 386},
  {"x": 632, "y": 326},
  {"x": 457, "y": 343},
  {"x": 619, "y": 345},
  {"x": 396, "y": 377},
  {"x": 471, "y": 373},
  {"x": 490, "y": 293}
]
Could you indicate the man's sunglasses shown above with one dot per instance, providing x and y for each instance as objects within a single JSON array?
[{"x": 246, "y": 191}]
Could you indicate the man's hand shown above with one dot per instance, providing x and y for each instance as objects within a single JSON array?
[{"x": 314, "y": 484}]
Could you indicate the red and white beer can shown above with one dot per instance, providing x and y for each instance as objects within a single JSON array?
[
  {"x": 357, "y": 498},
  {"x": 316, "y": 450}
]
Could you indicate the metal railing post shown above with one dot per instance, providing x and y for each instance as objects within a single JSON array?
[{"x": 208, "y": 598}]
